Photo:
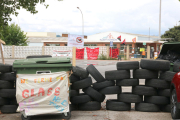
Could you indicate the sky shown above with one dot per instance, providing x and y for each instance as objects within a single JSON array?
[{"x": 130, "y": 16}]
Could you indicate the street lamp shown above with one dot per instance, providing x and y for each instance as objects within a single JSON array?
[
  {"x": 160, "y": 20},
  {"x": 82, "y": 22}
]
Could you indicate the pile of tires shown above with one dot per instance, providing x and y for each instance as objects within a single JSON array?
[
  {"x": 8, "y": 103},
  {"x": 91, "y": 98},
  {"x": 122, "y": 76},
  {"x": 156, "y": 90}
]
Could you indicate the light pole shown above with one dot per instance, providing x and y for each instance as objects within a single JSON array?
[
  {"x": 82, "y": 22},
  {"x": 160, "y": 20}
]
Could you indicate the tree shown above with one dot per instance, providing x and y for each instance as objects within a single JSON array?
[
  {"x": 13, "y": 35},
  {"x": 173, "y": 33},
  {"x": 8, "y": 7}
]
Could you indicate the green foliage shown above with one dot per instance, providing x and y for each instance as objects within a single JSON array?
[
  {"x": 172, "y": 33},
  {"x": 104, "y": 57},
  {"x": 13, "y": 35}
]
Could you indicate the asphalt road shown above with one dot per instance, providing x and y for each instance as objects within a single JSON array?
[{"x": 103, "y": 114}]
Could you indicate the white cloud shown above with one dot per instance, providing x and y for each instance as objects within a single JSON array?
[{"x": 133, "y": 16}]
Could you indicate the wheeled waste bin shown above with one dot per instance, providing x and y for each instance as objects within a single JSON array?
[{"x": 42, "y": 87}]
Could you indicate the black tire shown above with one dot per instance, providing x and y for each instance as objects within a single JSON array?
[
  {"x": 115, "y": 105},
  {"x": 130, "y": 98},
  {"x": 95, "y": 73},
  {"x": 147, "y": 107},
  {"x": 13, "y": 101},
  {"x": 111, "y": 90},
  {"x": 82, "y": 83},
  {"x": 127, "y": 65},
  {"x": 4, "y": 101},
  {"x": 73, "y": 107},
  {"x": 8, "y": 93},
  {"x": 74, "y": 93},
  {"x": 74, "y": 78},
  {"x": 94, "y": 94},
  {"x": 157, "y": 83},
  {"x": 90, "y": 106},
  {"x": 127, "y": 82},
  {"x": 176, "y": 67},
  {"x": 78, "y": 71},
  {"x": 38, "y": 56},
  {"x": 104, "y": 84},
  {"x": 166, "y": 108},
  {"x": 160, "y": 100},
  {"x": 167, "y": 75},
  {"x": 5, "y": 68},
  {"x": 11, "y": 76},
  {"x": 159, "y": 65},
  {"x": 6, "y": 84},
  {"x": 80, "y": 99},
  {"x": 23, "y": 118},
  {"x": 164, "y": 92},
  {"x": 9, "y": 108},
  {"x": 144, "y": 90},
  {"x": 145, "y": 74},
  {"x": 174, "y": 107},
  {"x": 117, "y": 74}
]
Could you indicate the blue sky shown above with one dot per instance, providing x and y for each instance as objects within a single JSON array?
[{"x": 131, "y": 16}]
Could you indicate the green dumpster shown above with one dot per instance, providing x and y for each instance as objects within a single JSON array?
[{"x": 42, "y": 87}]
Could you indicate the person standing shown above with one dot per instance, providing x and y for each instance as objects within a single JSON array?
[{"x": 143, "y": 54}]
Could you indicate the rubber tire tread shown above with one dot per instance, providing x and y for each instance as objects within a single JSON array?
[
  {"x": 6, "y": 84},
  {"x": 164, "y": 92},
  {"x": 5, "y": 68},
  {"x": 82, "y": 83},
  {"x": 145, "y": 74},
  {"x": 160, "y": 100},
  {"x": 90, "y": 106},
  {"x": 73, "y": 107},
  {"x": 159, "y": 65},
  {"x": 166, "y": 108},
  {"x": 147, "y": 107},
  {"x": 74, "y": 78},
  {"x": 127, "y": 82},
  {"x": 80, "y": 72},
  {"x": 115, "y": 105},
  {"x": 129, "y": 97},
  {"x": 167, "y": 75},
  {"x": 144, "y": 90},
  {"x": 117, "y": 74},
  {"x": 176, "y": 67},
  {"x": 13, "y": 101},
  {"x": 111, "y": 90},
  {"x": 104, "y": 84},
  {"x": 80, "y": 99},
  {"x": 97, "y": 96},
  {"x": 95, "y": 73},
  {"x": 8, "y": 93},
  {"x": 9, "y": 108},
  {"x": 4, "y": 101},
  {"x": 11, "y": 76},
  {"x": 74, "y": 93},
  {"x": 157, "y": 83},
  {"x": 127, "y": 65}
]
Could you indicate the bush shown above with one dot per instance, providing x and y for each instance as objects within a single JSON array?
[{"x": 104, "y": 57}]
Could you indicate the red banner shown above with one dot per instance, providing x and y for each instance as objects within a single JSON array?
[
  {"x": 115, "y": 52},
  {"x": 79, "y": 53},
  {"x": 92, "y": 54}
]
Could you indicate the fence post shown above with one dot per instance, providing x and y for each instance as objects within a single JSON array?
[
  {"x": 43, "y": 50},
  {"x": 127, "y": 52},
  {"x": 13, "y": 49},
  {"x": 107, "y": 51},
  {"x": 148, "y": 52}
]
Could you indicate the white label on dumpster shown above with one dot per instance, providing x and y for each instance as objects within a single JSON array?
[{"x": 42, "y": 93}]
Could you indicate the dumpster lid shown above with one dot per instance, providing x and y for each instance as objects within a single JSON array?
[
  {"x": 42, "y": 61},
  {"x": 172, "y": 46}
]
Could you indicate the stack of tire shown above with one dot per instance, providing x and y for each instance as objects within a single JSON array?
[
  {"x": 123, "y": 78},
  {"x": 156, "y": 90},
  {"x": 91, "y": 99},
  {"x": 8, "y": 103}
]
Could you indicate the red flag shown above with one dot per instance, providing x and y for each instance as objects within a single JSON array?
[
  {"x": 124, "y": 42},
  {"x": 119, "y": 38}
]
